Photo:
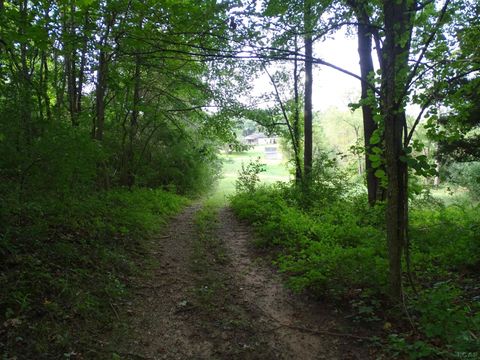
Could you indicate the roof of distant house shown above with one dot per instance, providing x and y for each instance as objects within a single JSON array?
[{"x": 256, "y": 136}]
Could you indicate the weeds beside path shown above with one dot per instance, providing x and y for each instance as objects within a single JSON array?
[{"x": 210, "y": 297}]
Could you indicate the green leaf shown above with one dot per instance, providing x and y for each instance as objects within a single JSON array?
[
  {"x": 374, "y": 158},
  {"x": 375, "y": 138},
  {"x": 85, "y": 3},
  {"x": 379, "y": 173}
]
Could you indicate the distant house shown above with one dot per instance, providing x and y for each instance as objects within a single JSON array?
[{"x": 260, "y": 139}]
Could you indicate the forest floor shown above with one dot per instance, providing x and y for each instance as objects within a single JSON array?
[{"x": 212, "y": 296}]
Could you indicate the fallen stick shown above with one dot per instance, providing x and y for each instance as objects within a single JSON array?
[
  {"x": 320, "y": 332},
  {"x": 307, "y": 330}
]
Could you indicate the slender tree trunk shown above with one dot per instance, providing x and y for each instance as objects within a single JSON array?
[
  {"x": 129, "y": 176},
  {"x": 48, "y": 109},
  {"x": 102, "y": 76},
  {"x": 292, "y": 127},
  {"x": 70, "y": 87},
  {"x": 296, "y": 120},
  {"x": 44, "y": 69},
  {"x": 70, "y": 64},
  {"x": 359, "y": 158},
  {"x": 308, "y": 116},
  {"x": 99, "y": 119},
  {"x": 375, "y": 193},
  {"x": 60, "y": 82},
  {"x": 25, "y": 83},
  {"x": 83, "y": 61},
  {"x": 40, "y": 88},
  {"x": 395, "y": 50},
  {"x": 438, "y": 167},
  {"x": 100, "y": 96}
]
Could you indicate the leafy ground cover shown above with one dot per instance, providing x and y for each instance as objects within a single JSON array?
[
  {"x": 335, "y": 247},
  {"x": 65, "y": 264}
]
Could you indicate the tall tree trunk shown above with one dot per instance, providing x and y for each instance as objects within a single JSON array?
[
  {"x": 70, "y": 49},
  {"x": 69, "y": 71},
  {"x": 44, "y": 69},
  {"x": 101, "y": 86},
  {"x": 83, "y": 61},
  {"x": 296, "y": 120},
  {"x": 395, "y": 51},
  {"x": 129, "y": 176},
  {"x": 102, "y": 76},
  {"x": 375, "y": 193},
  {"x": 438, "y": 167},
  {"x": 308, "y": 133},
  {"x": 59, "y": 87},
  {"x": 40, "y": 87},
  {"x": 24, "y": 75},
  {"x": 45, "y": 87}
]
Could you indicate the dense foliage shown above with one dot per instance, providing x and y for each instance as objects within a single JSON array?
[
  {"x": 335, "y": 247},
  {"x": 67, "y": 263}
]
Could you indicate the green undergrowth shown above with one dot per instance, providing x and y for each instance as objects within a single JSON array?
[
  {"x": 325, "y": 251},
  {"x": 336, "y": 248},
  {"x": 64, "y": 262}
]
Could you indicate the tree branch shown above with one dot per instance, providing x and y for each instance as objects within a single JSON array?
[{"x": 413, "y": 73}]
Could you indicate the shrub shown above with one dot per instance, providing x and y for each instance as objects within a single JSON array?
[
  {"x": 327, "y": 252},
  {"x": 248, "y": 177},
  {"x": 339, "y": 250}
]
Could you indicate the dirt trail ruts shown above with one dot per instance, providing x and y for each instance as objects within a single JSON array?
[
  {"x": 304, "y": 329},
  {"x": 257, "y": 317},
  {"x": 160, "y": 324}
]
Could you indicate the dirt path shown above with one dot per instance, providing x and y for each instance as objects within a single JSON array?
[
  {"x": 305, "y": 329},
  {"x": 160, "y": 326},
  {"x": 211, "y": 298}
]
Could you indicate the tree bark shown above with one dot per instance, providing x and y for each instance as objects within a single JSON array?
[
  {"x": 59, "y": 87},
  {"x": 129, "y": 176},
  {"x": 70, "y": 67},
  {"x": 100, "y": 90},
  {"x": 296, "y": 120},
  {"x": 24, "y": 75},
  {"x": 369, "y": 125},
  {"x": 395, "y": 67},
  {"x": 83, "y": 61},
  {"x": 102, "y": 77},
  {"x": 364, "y": 34},
  {"x": 45, "y": 88},
  {"x": 308, "y": 116}
]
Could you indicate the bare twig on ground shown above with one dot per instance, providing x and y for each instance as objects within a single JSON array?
[{"x": 308, "y": 330}]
